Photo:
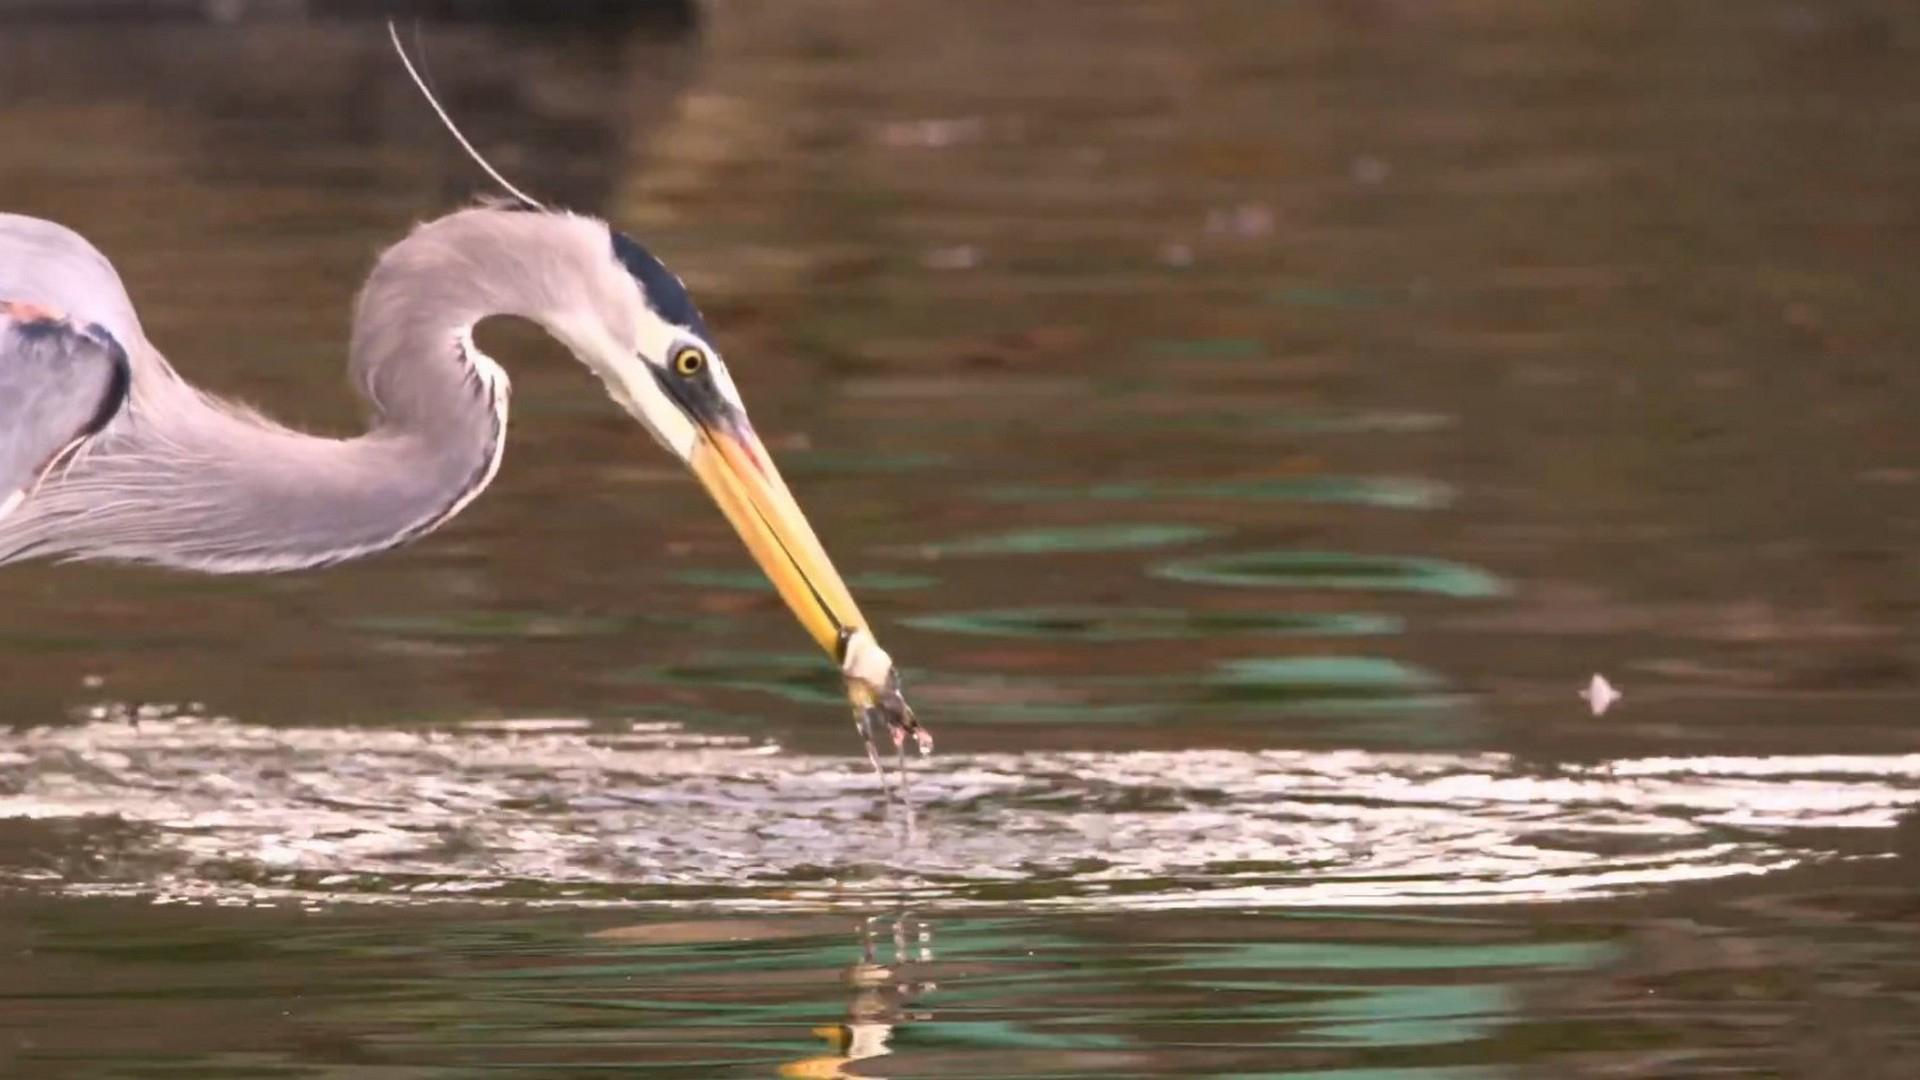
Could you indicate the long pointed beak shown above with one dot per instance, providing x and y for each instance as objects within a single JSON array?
[{"x": 734, "y": 467}]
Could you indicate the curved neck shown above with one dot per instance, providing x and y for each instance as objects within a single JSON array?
[
  {"x": 414, "y": 319},
  {"x": 246, "y": 494}
]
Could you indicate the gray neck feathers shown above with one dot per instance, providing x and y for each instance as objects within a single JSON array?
[{"x": 184, "y": 479}]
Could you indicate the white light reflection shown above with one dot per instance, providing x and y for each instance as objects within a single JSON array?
[{"x": 563, "y": 811}]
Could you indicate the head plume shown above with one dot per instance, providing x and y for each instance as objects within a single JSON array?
[
  {"x": 664, "y": 290},
  {"x": 524, "y": 200}
]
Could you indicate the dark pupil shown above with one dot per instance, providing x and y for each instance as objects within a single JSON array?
[{"x": 689, "y": 362}]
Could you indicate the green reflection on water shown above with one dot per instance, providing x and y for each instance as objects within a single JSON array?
[
  {"x": 1332, "y": 296},
  {"x": 1317, "y": 680},
  {"x": 1209, "y": 348},
  {"x": 1094, "y": 623},
  {"x": 1390, "y": 493},
  {"x": 1301, "y": 955},
  {"x": 1002, "y": 713},
  {"x": 802, "y": 679},
  {"x": 683, "y": 994},
  {"x": 1412, "y": 1015},
  {"x": 1268, "y": 685},
  {"x": 1334, "y": 570},
  {"x": 1085, "y": 538},
  {"x": 1006, "y": 1035},
  {"x": 1442, "y": 1073}
]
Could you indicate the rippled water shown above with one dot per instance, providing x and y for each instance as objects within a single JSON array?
[
  {"x": 1251, "y": 423},
  {"x": 556, "y": 811}
]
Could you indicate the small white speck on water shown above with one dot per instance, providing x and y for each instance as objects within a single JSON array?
[
  {"x": 1600, "y": 694},
  {"x": 960, "y": 257}
]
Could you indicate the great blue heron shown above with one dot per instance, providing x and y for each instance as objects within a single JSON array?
[{"x": 107, "y": 453}]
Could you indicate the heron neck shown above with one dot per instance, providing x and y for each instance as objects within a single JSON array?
[
  {"x": 185, "y": 479},
  {"x": 412, "y": 355}
]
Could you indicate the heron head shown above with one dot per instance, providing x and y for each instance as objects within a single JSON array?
[
  {"x": 649, "y": 345},
  {"x": 668, "y": 375}
]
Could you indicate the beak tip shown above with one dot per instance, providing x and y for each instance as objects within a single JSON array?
[
  {"x": 873, "y": 685},
  {"x": 888, "y": 710}
]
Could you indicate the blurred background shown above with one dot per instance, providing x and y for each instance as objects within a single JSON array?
[{"x": 1249, "y": 422}]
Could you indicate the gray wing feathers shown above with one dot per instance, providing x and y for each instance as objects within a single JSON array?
[{"x": 59, "y": 383}]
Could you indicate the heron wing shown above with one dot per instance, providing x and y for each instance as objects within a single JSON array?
[{"x": 60, "y": 381}]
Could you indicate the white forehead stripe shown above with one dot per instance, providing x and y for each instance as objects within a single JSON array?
[{"x": 657, "y": 336}]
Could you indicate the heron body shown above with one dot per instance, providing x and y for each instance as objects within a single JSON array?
[
  {"x": 170, "y": 474},
  {"x": 107, "y": 453}
]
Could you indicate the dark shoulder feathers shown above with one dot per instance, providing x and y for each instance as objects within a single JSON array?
[{"x": 61, "y": 381}]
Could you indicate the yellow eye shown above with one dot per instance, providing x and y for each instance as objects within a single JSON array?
[{"x": 689, "y": 361}]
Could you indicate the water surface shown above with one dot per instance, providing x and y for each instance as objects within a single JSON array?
[{"x": 1251, "y": 424}]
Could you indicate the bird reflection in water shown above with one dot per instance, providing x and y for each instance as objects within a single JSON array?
[{"x": 883, "y": 996}]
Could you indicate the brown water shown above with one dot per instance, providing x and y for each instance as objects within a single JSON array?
[{"x": 1251, "y": 422}]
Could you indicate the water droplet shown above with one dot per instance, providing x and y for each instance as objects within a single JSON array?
[{"x": 1600, "y": 694}]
